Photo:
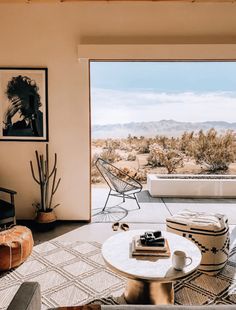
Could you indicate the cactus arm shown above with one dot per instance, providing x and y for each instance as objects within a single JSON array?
[
  {"x": 54, "y": 166},
  {"x": 46, "y": 182},
  {"x": 32, "y": 171},
  {"x": 56, "y": 206},
  {"x": 46, "y": 192},
  {"x": 46, "y": 176},
  {"x": 38, "y": 163},
  {"x": 47, "y": 163},
  {"x": 54, "y": 186},
  {"x": 40, "y": 180},
  {"x": 58, "y": 182},
  {"x": 42, "y": 166},
  {"x": 42, "y": 170}
]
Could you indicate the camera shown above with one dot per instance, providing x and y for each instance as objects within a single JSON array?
[{"x": 152, "y": 238}]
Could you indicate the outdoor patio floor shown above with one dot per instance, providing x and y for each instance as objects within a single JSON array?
[{"x": 155, "y": 210}]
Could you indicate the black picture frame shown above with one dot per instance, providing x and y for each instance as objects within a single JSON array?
[{"x": 23, "y": 104}]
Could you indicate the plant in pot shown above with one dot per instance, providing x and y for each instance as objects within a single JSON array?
[{"x": 48, "y": 183}]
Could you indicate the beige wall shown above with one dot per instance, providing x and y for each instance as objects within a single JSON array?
[{"x": 48, "y": 35}]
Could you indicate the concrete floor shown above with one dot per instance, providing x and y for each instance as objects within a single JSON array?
[
  {"x": 151, "y": 215},
  {"x": 156, "y": 210},
  {"x": 99, "y": 232}
]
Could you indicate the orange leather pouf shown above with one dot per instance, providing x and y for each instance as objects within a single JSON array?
[{"x": 15, "y": 246}]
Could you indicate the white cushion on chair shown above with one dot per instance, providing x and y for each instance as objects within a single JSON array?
[{"x": 210, "y": 232}]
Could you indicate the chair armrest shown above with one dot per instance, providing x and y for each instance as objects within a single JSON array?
[
  {"x": 6, "y": 190},
  {"x": 28, "y": 297}
]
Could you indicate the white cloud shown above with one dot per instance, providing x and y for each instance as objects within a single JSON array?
[{"x": 114, "y": 106}]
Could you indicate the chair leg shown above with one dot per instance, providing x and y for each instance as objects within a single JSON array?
[
  {"x": 136, "y": 201},
  {"x": 108, "y": 196},
  {"x": 14, "y": 221}
]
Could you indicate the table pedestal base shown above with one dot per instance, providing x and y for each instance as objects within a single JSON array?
[{"x": 154, "y": 293}]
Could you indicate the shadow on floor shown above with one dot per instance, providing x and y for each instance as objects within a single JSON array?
[
  {"x": 145, "y": 197},
  {"x": 60, "y": 228}
]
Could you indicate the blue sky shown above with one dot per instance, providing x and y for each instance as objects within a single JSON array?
[{"x": 149, "y": 91}]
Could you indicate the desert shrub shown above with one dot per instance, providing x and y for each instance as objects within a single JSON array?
[
  {"x": 169, "y": 158},
  {"x": 131, "y": 157},
  {"x": 124, "y": 146},
  {"x": 109, "y": 152},
  {"x": 141, "y": 175},
  {"x": 215, "y": 152},
  {"x": 162, "y": 141},
  {"x": 98, "y": 142},
  {"x": 94, "y": 159},
  {"x": 143, "y": 146},
  {"x": 112, "y": 143},
  {"x": 186, "y": 144},
  {"x": 115, "y": 143},
  {"x": 154, "y": 157},
  {"x": 125, "y": 170},
  {"x": 95, "y": 179},
  {"x": 138, "y": 174},
  {"x": 95, "y": 174},
  {"x": 122, "y": 173},
  {"x": 110, "y": 155},
  {"x": 130, "y": 140},
  {"x": 173, "y": 143},
  {"x": 166, "y": 143}
]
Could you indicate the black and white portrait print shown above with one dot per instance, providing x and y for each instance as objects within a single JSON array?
[{"x": 23, "y": 99}]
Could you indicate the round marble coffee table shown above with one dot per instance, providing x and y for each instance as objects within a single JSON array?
[{"x": 150, "y": 279}]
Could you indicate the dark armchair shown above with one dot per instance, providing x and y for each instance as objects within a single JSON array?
[{"x": 7, "y": 208}]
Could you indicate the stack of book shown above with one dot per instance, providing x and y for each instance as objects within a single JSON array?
[{"x": 141, "y": 249}]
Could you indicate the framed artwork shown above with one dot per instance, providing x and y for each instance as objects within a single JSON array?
[{"x": 23, "y": 104}]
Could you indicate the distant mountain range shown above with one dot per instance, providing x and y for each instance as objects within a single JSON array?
[{"x": 169, "y": 128}]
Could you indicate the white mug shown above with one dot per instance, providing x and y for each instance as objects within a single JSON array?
[{"x": 179, "y": 260}]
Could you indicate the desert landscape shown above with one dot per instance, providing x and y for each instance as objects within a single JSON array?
[
  {"x": 192, "y": 152},
  {"x": 152, "y": 117}
]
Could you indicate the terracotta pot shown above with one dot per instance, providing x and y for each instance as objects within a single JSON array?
[{"x": 46, "y": 217}]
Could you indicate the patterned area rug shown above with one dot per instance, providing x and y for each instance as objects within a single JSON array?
[
  {"x": 74, "y": 274},
  {"x": 68, "y": 273}
]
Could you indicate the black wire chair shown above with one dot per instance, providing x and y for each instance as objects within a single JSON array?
[{"x": 120, "y": 183}]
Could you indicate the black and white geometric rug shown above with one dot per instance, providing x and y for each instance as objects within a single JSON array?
[
  {"x": 68, "y": 273},
  {"x": 75, "y": 273}
]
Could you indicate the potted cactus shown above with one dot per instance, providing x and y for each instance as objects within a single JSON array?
[{"x": 48, "y": 183}]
